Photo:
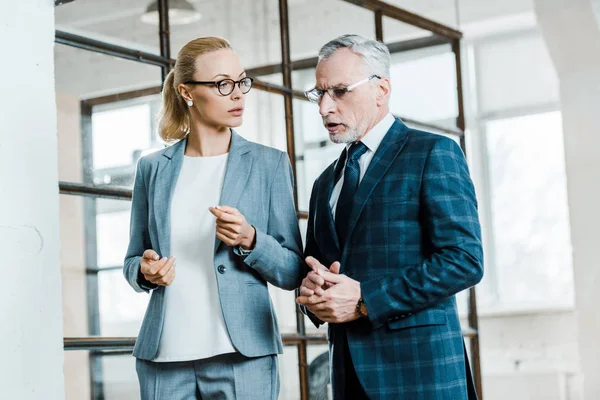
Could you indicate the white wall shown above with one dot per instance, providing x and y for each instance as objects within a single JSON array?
[
  {"x": 572, "y": 35},
  {"x": 30, "y": 299}
]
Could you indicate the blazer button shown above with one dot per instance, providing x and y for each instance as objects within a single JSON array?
[{"x": 221, "y": 268}]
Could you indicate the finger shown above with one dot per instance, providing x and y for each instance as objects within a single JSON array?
[
  {"x": 229, "y": 210},
  {"x": 314, "y": 264},
  {"x": 227, "y": 233},
  {"x": 331, "y": 277},
  {"x": 319, "y": 291},
  {"x": 312, "y": 300},
  {"x": 157, "y": 266},
  {"x": 307, "y": 283},
  {"x": 215, "y": 211},
  {"x": 168, "y": 279},
  {"x": 167, "y": 267},
  {"x": 335, "y": 268},
  {"x": 235, "y": 228},
  {"x": 151, "y": 255},
  {"x": 144, "y": 267},
  {"x": 315, "y": 279},
  {"x": 223, "y": 216},
  {"x": 304, "y": 291},
  {"x": 225, "y": 239},
  {"x": 314, "y": 288}
]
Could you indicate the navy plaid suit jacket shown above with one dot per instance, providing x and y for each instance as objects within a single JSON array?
[{"x": 414, "y": 241}]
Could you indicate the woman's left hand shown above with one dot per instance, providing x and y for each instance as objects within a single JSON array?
[{"x": 232, "y": 227}]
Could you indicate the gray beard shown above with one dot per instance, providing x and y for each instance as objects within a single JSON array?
[{"x": 350, "y": 136}]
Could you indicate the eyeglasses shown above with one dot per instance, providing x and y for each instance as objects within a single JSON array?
[
  {"x": 226, "y": 86},
  {"x": 336, "y": 93}
]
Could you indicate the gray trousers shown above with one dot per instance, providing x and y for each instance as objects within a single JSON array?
[{"x": 227, "y": 376}]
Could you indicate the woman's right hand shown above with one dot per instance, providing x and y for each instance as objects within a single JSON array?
[{"x": 160, "y": 271}]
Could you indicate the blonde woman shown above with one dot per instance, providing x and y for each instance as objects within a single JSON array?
[{"x": 212, "y": 222}]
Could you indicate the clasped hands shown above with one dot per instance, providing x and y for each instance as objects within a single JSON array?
[{"x": 329, "y": 295}]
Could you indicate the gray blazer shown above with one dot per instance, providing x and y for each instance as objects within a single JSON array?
[{"x": 258, "y": 182}]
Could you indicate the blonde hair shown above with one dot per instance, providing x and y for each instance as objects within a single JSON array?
[{"x": 174, "y": 117}]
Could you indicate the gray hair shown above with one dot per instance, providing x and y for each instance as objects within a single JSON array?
[{"x": 374, "y": 54}]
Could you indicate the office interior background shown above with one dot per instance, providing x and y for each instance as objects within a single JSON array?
[{"x": 516, "y": 83}]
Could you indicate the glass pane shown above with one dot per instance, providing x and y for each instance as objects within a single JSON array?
[
  {"x": 424, "y": 86},
  {"x": 84, "y": 74},
  {"x": 318, "y": 371},
  {"x": 77, "y": 375},
  {"x": 314, "y": 150},
  {"x": 264, "y": 119},
  {"x": 289, "y": 374},
  {"x": 128, "y": 126},
  {"x": 315, "y": 22},
  {"x": 120, "y": 131},
  {"x": 442, "y": 11},
  {"x": 284, "y": 302},
  {"x": 119, "y": 377},
  {"x": 121, "y": 308},
  {"x": 121, "y": 24},
  {"x": 251, "y": 27},
  {"x": 515, "y": 72},
  {"x": 532, "y": 245},
  {"x": 73, "y": 266},
  {"x": 276, "y": 79},
  {"x": 396, "y": 32},
  {"x": 112, "y": 231}
]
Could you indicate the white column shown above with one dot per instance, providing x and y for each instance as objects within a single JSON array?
[
  {"x": 30, "y": 298},
  {"x": 572, "y": 35}
]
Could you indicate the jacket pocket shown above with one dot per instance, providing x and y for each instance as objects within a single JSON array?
[{"x": 435, "y": 316}]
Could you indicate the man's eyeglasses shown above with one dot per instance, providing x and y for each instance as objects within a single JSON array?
[
  {"x": 226, "y": 86},
  {"x": 336, "y": 93}
]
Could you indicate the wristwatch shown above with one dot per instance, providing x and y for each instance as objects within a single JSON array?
[
  {"x": 359, "y": 307},
  {"x": 244, "y": 252}
]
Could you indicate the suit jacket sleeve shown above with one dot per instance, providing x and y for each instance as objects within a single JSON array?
[
  {"x": 277, "y": 254},
  {"x": 451, "y": 224},
  {"x": 139, "y": 239},
  {"x": 312, "y": 249}
]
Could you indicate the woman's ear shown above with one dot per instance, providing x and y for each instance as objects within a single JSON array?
[{"x": 184, "y": 92}]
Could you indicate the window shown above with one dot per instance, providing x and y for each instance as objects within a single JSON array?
[{"x": 530, "y": 221}]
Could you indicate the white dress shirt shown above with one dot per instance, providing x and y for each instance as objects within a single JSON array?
[
  {"x": 372, "y": 140},
  {"x": 194, "y": 327}
]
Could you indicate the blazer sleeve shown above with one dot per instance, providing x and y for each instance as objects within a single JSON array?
[
  {"x": 139, "y": 239},
  {"x": 277, "y": 256},
  {"x": 451, "y": 222},
  {"x": 311, "y": 249}
]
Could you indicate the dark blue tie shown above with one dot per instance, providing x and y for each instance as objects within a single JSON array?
[{"x": 346, "y": 199}]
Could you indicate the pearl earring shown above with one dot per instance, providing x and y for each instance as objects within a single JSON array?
[{"x": 190, "y": 103}]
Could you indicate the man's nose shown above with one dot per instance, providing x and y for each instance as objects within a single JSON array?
[{"x": 326, "y": 105}]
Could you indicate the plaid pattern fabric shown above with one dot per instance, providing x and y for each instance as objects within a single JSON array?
[{"x": 413, "y": 242}]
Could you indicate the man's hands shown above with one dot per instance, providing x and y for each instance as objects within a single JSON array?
[
  {"x": 159, "y": 271},
  {"x": 327, "y": 294},
  {"x": 232, "y": 227}
]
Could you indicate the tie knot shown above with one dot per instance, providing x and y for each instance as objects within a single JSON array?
[{"x": 356, "y": 151}]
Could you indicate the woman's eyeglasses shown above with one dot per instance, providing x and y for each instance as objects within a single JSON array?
[{"x": 226, "y": 86}]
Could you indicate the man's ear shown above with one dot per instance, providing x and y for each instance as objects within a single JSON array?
[{"x": 384, "y": 91}]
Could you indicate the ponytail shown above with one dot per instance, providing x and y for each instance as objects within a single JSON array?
[{"x": 173, "y": 123}]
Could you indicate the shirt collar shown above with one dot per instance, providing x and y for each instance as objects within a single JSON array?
[{"x": 373, "y": 138}]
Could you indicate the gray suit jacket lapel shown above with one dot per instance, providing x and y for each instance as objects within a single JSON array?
[
  {"x": 239, "y": 165},
  {"x": 237, "y": 172},
  {"x": 166, "y": 178}
]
